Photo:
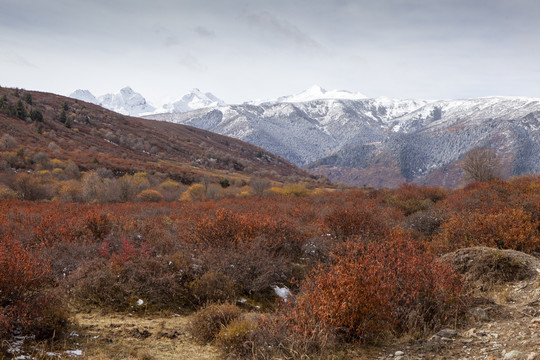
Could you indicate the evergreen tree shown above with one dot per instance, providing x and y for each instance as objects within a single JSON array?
[
  {"x": 28, "y": 98},
  {"x": 68, "y": 123},
  {"x": 20, "y": 111},
  {"x": 63, "y": 116},
  {"x": 36, "y": 115}
]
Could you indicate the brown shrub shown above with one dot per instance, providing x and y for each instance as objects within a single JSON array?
[
  {"x": 235, "y": 338},
  {"x": 149, "y": 196},
  {"x": 159, "y": 282},
  {"x": 411, "y": 198},
  {"x": 213, "y": 287},
  {"x": 273, "y": 337},
  {"x": 253, "y": 269},
  {"x": 206, "y": 323},
  {"x": 7, "y": 193},
  {"x": 28, "y": 187},
  {"x": 426, "y": 223}
]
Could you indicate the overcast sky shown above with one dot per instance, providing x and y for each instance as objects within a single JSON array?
[{"x": 246, "y": 50}]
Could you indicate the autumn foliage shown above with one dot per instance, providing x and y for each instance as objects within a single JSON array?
[
  {"x": 372, "y": 288},
  {"x": 26, "y": 302},
  {"x": 361, "y": 264}
]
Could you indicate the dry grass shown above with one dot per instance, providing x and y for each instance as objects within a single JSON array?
[{"x": 149, "y": 338}]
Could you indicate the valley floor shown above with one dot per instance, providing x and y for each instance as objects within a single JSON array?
[{"x": 506, "y": 327}]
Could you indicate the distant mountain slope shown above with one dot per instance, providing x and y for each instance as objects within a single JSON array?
[
  {"x": 301, "y": 132},
  {"x": 382, "y": 141},
  {"x": 427, "y": 144},
  {"x": 95, "y": 137}
]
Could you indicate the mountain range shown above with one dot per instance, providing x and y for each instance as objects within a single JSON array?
[
  {"x": 381, "y": 141},
  {"x": 129, "y": 102},
  {"x": 352, "y": 138}
]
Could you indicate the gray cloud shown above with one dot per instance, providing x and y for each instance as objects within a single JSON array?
[
  {"x": 192, "y": 63},
  {"x": 281, "y": 29},
  {"x": 204, "y": 32},
  {"x": 249, "y": 49},
  {"x": 15, "y": 59},
  {"x": 165, "y": 36}
]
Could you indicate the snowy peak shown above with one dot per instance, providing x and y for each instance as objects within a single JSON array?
[
  {"x": 126, "y": 102},
  {"x": 318, "y": 93},
  {"x": 129, "y": 102},
  {"x": 193, "y": 100},
  {"x": 84, "y": 95}
]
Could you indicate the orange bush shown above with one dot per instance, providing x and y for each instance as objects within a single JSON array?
[
  {"x": 371, "y": 288},
  {"x": 507, "y": 228}
]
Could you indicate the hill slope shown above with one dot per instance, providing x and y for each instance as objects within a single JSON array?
[{"x": 95, "y": 137}]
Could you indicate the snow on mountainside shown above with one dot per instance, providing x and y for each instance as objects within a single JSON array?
[
  {"x": 301, "y": 132},
  {"x": 129, "y": 102},
  {"x": 84, "y": 95},
  {"x": 315, "y": 93},
  {"x": 126, "y": 102},
  {"x": 194, "y": 100},
  {"x": 426, "y": 145},
  {"x": 383, "y": 141}
]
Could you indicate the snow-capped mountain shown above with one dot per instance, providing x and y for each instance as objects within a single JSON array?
[
  {"x": 194, "y": 100},
  {"x": 126, "y": 102},
  {"x": 315, "y": 93},
  {"x": 84, "y": 95},
  {"x": 301, "y": 132},
  {"x": 382, "y": 141},
  {"x": 129, "y": 102}
]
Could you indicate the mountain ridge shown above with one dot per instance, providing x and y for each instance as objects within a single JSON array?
[
  {"x": 419, "y": 140},
  {"x": 129, "y": 102}
]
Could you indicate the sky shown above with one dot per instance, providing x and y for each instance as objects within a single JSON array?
[{"x": 254, "y": 49}]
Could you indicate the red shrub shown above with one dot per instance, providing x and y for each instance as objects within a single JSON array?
[
  {"x": 371, "y": 288},
  {"x": 126, "y": 252},
  {"x": 25, "y": 302},
  {"x": 364, "y": 219}
]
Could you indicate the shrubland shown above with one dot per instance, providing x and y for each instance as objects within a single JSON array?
[{"x": 362, "y": 265}]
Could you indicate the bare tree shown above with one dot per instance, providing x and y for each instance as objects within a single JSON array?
[
  {"x": 481, "y": 164},
  {"x": 7, "y": 142},
  {"x": 259, "y": 186}
]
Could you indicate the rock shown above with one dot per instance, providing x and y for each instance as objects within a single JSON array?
[
  {"x": 399, "y": 353},
  {"x": 514, "y": 354},
  {"x": 470, "y": 333},
  {"x": 447, "y": 333},
  {"x": 536, "y": 320},
  {"x": 533, "y": 356},
  {"x": 479, "y": 313}
]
